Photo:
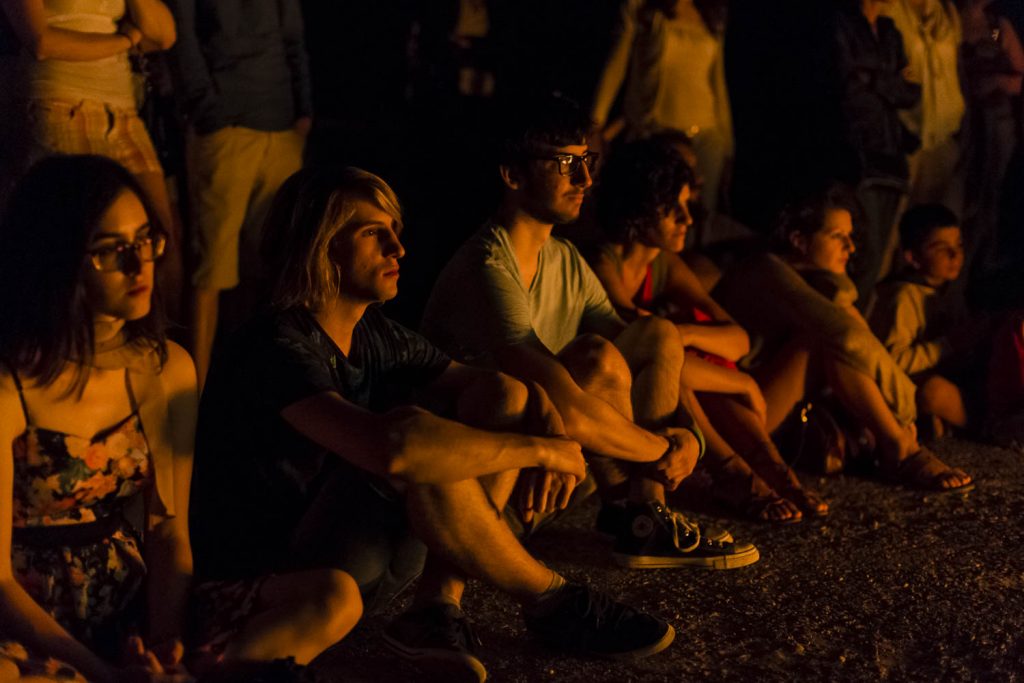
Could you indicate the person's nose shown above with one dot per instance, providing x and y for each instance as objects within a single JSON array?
[
  {"x": 582, "y": 178},
  {"x": 393, "y": 246},
  {"x": 131, "y": 264}
]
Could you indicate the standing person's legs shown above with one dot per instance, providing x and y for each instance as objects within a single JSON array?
[
  {"x": 880, "y": 204},
  {"x": 225, "y": 165},
  {"x": 282, "y": 157}
]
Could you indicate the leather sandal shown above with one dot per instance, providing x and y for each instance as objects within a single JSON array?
[
  {"x": 924, "y": 471},
  {"x": 739, "y": 487},
  {"x": 767, "y": 462}
]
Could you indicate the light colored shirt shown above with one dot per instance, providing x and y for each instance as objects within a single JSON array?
[
  {"x": 480, "y": 304},
  {"x": 911, "y": 319},
  {"x": 931, "y": 42},
  {"x": 107, "y": 80},
  {"x": 673, "y": 72}
]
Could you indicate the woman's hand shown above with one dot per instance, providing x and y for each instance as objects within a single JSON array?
[{"x": 164, "y": 665}]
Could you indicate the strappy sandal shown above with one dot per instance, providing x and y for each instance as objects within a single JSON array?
[
  {"x": 739, "y": 487},
  {"x": 924, "y": 471},
  {"x": 767, "y": 462}
]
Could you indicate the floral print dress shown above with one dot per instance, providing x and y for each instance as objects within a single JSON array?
[{"x": 73, "y": 551}]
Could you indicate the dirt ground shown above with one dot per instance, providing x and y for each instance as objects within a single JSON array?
[{"x": 892, "y": 586}]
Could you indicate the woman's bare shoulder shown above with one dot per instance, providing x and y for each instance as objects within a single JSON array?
[{"x": 178, "y": 371}]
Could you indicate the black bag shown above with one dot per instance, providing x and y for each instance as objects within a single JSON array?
[{"x": 814, "y": 440}]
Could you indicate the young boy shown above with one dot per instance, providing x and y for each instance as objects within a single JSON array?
[{"x": 916, "y": 314}]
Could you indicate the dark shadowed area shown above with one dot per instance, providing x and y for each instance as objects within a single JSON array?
[{"x": 893, "y": 585}]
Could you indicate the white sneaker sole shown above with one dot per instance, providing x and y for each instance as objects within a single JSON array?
[
  {"x": 447, "y": 665},
  {"x": 732, "y": 561}
]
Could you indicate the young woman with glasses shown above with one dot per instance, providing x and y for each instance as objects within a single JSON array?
[{"x": 97, "y": 422}]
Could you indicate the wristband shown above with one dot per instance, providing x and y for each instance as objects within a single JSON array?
[{"x": 695, "y": 430}]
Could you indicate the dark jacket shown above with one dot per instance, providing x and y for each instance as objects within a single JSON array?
[
  {"x": 873, "y": 91},
  {"x": 242, "y": 63}
]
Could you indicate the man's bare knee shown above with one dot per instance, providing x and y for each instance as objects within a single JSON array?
[
  {"x": 593, "y": 360},
  {"x": 495, "y": 402},
  {"x": 648, "y": 340},
  {"x": 936, "y": 392}
]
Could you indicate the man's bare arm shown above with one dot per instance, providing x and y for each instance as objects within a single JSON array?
[
  {"x": 415, "y": 445},
  {"x": 595, "y": 424}
]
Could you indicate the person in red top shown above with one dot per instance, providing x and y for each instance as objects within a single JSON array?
[{"x": 642, "y": 208}]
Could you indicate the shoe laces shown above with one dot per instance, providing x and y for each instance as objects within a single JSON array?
[
  {"x": 455, "y": 631},
  {"x": 682, "y": 529},
  {"x": 596, "y": 606}
]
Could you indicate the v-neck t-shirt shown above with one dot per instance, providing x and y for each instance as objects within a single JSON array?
[{"x": 480, "y": 303}]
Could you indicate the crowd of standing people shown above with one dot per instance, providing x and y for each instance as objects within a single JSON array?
[{"x": 217, "y": 451}]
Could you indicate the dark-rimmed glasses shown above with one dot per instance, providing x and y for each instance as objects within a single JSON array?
[
  {"x": 114, "y": 258},
  {"x": 568, "y": 164}
]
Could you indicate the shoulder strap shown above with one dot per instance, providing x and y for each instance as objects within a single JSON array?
[{"x": 21, "y": 393}]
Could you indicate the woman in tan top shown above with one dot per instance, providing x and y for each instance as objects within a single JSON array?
[{"x": 79, "y": 93}]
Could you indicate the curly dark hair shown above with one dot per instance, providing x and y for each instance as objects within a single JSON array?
[
  {"x": 50, "y": 219},
  {"x": 639, "y": 186},
  {"x": 536, "y": 124}
]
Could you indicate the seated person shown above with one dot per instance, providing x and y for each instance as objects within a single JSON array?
[
  {"x": 313, "y": 452},
  {"x": 516, "y": 298},
  {"x": 916, "y": 315},
  {"x": 97, "y": 419},
  {"x": 643, "y": 203},
  {"x": 800, "y": 305}
]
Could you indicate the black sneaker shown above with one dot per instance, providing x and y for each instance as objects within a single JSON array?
[
  {"x": 659, "y": 537},
  {"x": 438, "y": 639},
  {"x": 581, "y": 620},
  {"x": 615, "y": 518}
]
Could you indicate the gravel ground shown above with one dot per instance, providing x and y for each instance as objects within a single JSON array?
[{"x": 893, "y": 585}]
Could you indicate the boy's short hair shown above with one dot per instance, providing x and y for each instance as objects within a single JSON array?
[
  {"x": 535, "y": 125},
  {"x": 919, "y": 222}
]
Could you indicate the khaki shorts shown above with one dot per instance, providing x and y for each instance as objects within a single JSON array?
[
  {"x": 234, "y": 174},
  {"x": 92, "y": 127}
]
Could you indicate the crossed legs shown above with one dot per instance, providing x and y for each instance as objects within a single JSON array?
[{"x": 638, "y": 375}]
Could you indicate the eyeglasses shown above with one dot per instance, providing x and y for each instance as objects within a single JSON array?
[
  {"x": 568, "y": 164},
  {"x": 114, "y": 258}
]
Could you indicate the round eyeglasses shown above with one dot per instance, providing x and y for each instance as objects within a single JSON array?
[{"x": 115, "y": 257}]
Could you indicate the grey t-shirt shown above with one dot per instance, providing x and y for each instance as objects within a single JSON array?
[{"x": 480, "y": 303}]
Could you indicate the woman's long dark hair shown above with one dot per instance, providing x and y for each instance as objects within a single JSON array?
[{"x": 46, "y": 319}]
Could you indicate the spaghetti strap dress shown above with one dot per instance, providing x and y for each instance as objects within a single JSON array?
[{"x": 73, "y": 550}]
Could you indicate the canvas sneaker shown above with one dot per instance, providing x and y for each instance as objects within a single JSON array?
[
  {"x": 659, "y": 537},
  {"x": 580, "y": 620},
  {"x": 613, "y": 518},
  {"x": 439, "y": 640}
]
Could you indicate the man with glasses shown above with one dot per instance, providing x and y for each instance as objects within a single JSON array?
[{"x": 520, "y": 300}]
